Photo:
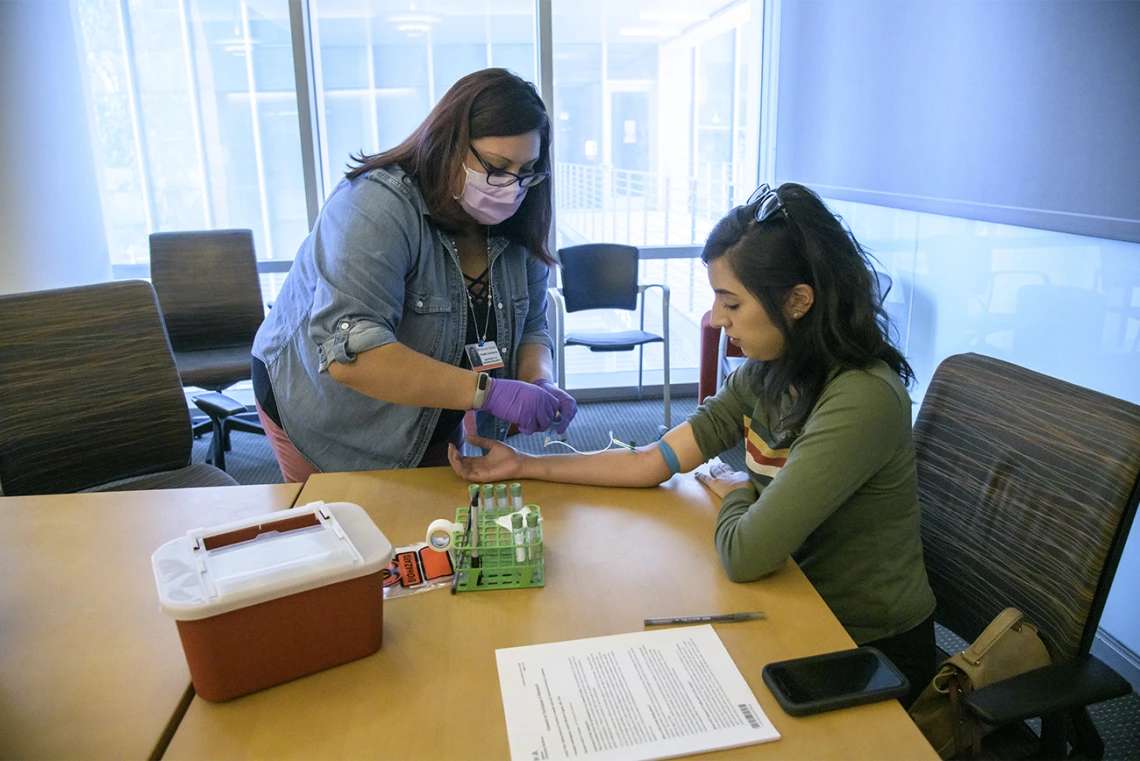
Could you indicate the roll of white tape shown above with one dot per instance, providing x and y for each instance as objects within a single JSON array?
[{"x": 440, "y": 534}]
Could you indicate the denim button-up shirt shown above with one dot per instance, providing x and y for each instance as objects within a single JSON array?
[{"x": 375, "y": 270}]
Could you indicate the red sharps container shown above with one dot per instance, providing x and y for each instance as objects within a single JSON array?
[{"x": 272, "y": 598}]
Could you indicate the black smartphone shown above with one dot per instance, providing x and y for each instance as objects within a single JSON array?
[{"x": 825, "y": 682}]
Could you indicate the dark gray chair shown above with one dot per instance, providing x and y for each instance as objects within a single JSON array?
[
  {"x": 90, "y": 398},
  {"x": 210, "y": 293},
  {"x": 1029, "y": 487},
  {"x": 605, "y": 276}
]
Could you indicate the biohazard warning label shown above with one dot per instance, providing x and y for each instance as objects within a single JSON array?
[{"x": 417, "y": 568}]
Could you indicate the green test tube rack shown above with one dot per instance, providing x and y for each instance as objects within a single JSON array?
[{"x": 499, "y": 564}]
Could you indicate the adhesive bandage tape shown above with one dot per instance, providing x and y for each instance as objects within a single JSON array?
[{"x": 440, "y": 534}]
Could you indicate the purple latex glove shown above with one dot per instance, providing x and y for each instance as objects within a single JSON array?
[
  {"x": 529, "y": 407},
  {"x": 567, "y": 407}
]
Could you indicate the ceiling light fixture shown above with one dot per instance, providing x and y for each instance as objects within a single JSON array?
[
  {"x": 413, "y": 24},
  {"x": 649, "y": 31},
  {"x": 672, "y": 16}
]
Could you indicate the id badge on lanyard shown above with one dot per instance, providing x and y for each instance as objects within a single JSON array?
[{"x": 484, "y": 356}]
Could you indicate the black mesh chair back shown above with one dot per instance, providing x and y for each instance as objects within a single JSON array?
[
  {"x": 90, "y": 398},
  {"x": 604, "y": 276},
  {"x": 599, "y": 276},
  {"x": 1029, "y": 486},
  {"x": 210, "y": 293}
]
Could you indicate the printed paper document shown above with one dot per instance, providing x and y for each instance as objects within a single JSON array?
[{"x": 644, "y": 695}]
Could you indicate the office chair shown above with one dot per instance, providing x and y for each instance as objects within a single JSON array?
[
  {"x": 210, "y": 292},
  {"x": 90, "y": 398},
  {"x": 604, "y": 276},
  {"x": 1028, "y": 487},
  {"x": 718, "y": 359}
]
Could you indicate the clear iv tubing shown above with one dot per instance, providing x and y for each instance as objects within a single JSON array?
[{"x": 613, "y": 442}]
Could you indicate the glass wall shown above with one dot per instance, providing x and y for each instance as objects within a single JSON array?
[
  {"x": 656, "y": 136},
  {"x": 196, "y": 118},
  {"x": 1064, "y": 305},
  {"x": 656, "y": 112},
  {"x": 382, "y": 64}
]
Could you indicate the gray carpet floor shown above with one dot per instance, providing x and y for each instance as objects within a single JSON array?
[{"x": 251, "y": 461}]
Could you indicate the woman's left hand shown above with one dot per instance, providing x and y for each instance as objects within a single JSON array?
[
  {"x": 567, "y": 406},
  {"x": 721, "y": 479},
  {"x": 501, "y": 462}
]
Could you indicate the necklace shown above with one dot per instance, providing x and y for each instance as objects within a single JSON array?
[{"x": 490, "y": 293}]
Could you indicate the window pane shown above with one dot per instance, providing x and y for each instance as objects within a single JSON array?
[
  {"x": 196, "y": 117},
  {"x": 655, "y": 141},
  {"x": 384, "y": 64}
]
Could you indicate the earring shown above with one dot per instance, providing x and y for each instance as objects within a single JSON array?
[{"x": 796, "y": 315}]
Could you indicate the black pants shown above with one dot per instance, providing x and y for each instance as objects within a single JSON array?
[
  {"x": 262, "y": 391},
  {"x": 915, "y": 654}
]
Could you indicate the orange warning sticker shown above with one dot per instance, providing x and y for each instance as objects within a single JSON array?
[
  {"x": 416, "y": 568},
  {"x": 435, "y": 564},
  {"x": 409, "y": 568}
]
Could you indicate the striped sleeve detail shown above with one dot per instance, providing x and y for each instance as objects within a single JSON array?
[{"x": 759, "y": 457}]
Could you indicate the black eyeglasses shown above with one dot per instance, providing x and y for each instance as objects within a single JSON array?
[
  {"x": 501, "y": 177},
  {"x": 767, "y": 202}
]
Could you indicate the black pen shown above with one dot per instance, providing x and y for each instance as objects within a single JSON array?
[
  {"x": 719, "y": 618},
  {"x": 455, "y": 574},
  {"x": 473, "y": 528},
  {"x": 474, "y": 490}
]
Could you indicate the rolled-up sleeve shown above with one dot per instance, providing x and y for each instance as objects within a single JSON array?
[
  {"x": 363, "y": 245},
  {"x": 535, "y": 329}
]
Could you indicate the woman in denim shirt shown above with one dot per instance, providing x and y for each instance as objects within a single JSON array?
[{"x": 419, "y": 294}]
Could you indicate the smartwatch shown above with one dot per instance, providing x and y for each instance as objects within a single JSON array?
[{"x": 482, "y": 387}]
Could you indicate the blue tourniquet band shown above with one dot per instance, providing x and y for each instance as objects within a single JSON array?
[{"x": 670, "y": 456}]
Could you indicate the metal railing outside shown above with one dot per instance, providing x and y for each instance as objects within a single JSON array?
[
  {"x": 604, "y": 203},
  {"x": 607, "y": 204}
]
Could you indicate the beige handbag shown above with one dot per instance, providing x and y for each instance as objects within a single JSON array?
[{"x": 1009, "y": 646}]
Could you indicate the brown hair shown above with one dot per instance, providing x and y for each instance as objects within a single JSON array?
[
  {"x": 486, "y": 103},
  {"x": 846, "y": 328}
]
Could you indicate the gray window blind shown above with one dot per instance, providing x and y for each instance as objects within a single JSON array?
[{"x": 1025, "y": 112}]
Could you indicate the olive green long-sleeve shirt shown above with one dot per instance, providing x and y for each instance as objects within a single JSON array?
[{"x": 840, "y": 498}]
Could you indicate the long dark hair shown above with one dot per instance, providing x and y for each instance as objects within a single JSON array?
[
  {"x": 846, "y": 327},
  {"x": 486, "y": 103}
]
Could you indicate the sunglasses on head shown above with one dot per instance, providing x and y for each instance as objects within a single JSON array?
[{"x": 767, "y": 202}]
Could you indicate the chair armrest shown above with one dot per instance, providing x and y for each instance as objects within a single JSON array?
[
  {"x": 664, "y": 292},
  {"x": 554, "y": 296},
  {"x": 556, "y": 323},
  {"x": 641, "y": 289},
  {"x": 1050, "y": 689},
  {"x": 218, "y": 405}
]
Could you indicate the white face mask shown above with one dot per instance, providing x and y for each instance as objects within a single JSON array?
[{"x": 489, "y": 204}]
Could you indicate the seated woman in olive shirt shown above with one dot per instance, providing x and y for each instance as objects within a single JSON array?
[{"x": 823, "y": 410}]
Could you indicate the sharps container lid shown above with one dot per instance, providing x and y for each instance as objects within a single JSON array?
[{"x": 214, "y": 570}]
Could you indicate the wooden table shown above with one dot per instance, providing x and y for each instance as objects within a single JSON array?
[
  {"x": 90, "y": 667},
  {"x": 613, "y": 557}
]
